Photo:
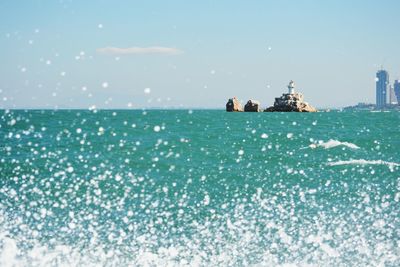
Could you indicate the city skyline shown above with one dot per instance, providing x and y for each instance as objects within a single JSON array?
[
  {"x": 74, "y": 54},
  {"x": 387, "y": 94}
]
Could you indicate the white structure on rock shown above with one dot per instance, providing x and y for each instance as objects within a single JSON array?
[{"x": 291, "y": 87}]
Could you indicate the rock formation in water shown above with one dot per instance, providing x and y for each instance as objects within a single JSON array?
[
  {"x": 234, "y": 105},
  {"x": 252, "y": 106},
  {"x": 292, "y": 102}
]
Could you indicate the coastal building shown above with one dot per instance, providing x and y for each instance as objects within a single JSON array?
[
  {"x": 382, "y": 83},
  {"x": 396, "y": 89},
  {"x": 392, "y": 96}
]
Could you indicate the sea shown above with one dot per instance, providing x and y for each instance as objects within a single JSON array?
[{"x": 199, "y": 188}]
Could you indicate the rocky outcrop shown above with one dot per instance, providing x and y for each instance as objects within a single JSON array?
[
  {"x": 234, "y": 105},
  {"x": 252, "y": 106},
  {"x": 291, "y": 103}
]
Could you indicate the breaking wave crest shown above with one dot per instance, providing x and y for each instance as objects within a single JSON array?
[
  {"x": 260, "y": 230},
  {"x": 334, "y": 143},
  {"x": 391, "y": 165}
]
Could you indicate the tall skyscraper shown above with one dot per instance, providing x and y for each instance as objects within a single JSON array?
[
  {"x": 392, "y": 97},
  {"x": 397, "y": 90},
  {"x": 382, "y": 83}
]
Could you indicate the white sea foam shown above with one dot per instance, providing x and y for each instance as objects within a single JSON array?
[
  {"x": 8, "y": 252},
  {"x": 231, "y": 239},
  {"x": 333, "y": 143},
  {"x": 391, "y": 165}
]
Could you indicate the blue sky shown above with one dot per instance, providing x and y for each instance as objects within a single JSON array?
[{"x": 78, "y": 54}]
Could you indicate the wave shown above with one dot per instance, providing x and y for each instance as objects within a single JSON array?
[
  {"x": 391, "y": 165},
  {"x": 333, "y": 143},
  {"x": 242, "y": 244},
  {"x": 249, "y": 231}
]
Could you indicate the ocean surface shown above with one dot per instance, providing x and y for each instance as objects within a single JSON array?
[{"x": 199, "y": 188}]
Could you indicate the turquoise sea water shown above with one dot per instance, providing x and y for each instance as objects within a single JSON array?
[{"x": 199, "y": 188}]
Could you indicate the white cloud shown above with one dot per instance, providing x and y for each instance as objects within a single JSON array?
[{"x": 139, "y": 50}]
